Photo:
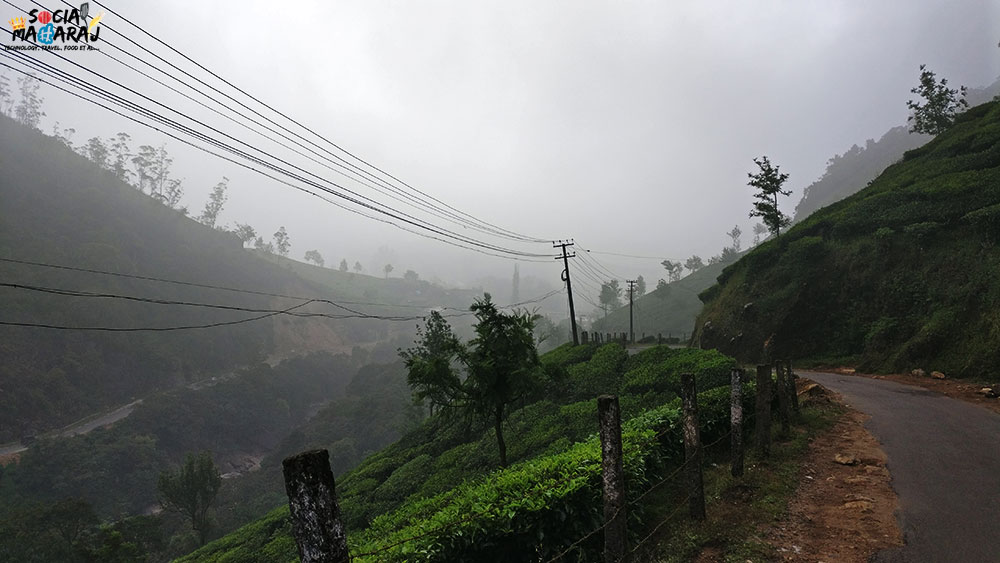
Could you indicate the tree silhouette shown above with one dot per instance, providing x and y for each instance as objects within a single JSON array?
[
  {"x": 940, "y": 104},
  {"x": 768, "y": 182},
  {"x": 191, "y": 491}
]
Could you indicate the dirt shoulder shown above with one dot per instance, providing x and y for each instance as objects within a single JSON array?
[
  {"x": 954, "y": 388},
  {"x": 844, "y": 510}
]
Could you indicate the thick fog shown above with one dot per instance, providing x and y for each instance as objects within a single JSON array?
[{"x": 628, "y": 126}]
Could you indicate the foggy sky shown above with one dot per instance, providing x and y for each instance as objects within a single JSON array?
[{"x": 628, "y": 126}]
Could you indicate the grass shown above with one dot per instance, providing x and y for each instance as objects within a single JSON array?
[{"x": 737, "y": 508}]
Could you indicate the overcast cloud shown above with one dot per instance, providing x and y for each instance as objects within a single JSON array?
[{"x": 628, "y": 126}]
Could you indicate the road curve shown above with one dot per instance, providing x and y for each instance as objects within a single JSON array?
[{"x": 944, "y": 459}]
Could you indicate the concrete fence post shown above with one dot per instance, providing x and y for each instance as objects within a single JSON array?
[
  {"x": 312, "y": 499},
  {"x": 763, "y": 423},
  {"x": 612, "y": 478},
  {"x": 692, "y": 447},
  {"x": 736, "y": 421}
]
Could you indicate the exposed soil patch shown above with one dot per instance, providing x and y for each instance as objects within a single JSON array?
[
  {"x": 954, "y": 388},
  {"x": 842, "y": 511}
]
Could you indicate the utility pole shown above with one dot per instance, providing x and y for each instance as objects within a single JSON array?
[
  {"x": 569, "y": 288},
  {"x": 631, "y": 332}
]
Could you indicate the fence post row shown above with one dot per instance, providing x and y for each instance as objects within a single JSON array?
[
  {"x": 612, "y": 478},
  {"x": 692, "y": 446},
  {"x": 736, "y": 421},
  {"x": 312, "y": 498},
  {"x": 763, "y": 423}
]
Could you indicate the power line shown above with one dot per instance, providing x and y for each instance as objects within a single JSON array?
[
  {"x": 321, "y": 137},
  {"x": 353, "y": 197}
]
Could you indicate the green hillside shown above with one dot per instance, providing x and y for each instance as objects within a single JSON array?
[
  {"x": 901, "y": 275},
  {"x": 670, "y": 310},
  {"x": 433, "y": 475},
  {"x": 60, "y": 208}
]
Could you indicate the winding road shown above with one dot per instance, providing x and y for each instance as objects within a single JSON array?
[{"x": 944, "y": 459}]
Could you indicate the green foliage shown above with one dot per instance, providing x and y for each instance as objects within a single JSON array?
[
  {"x": 191, "y": 491},
  {"x": 894, "y": 277},
  {"x": 767, "y": 182},
  {"x": 939, "y": 107}
]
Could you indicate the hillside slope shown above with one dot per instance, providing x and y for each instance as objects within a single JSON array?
[
  {"x": 670, "y": 311},
  {"x": 60, "y": 208},
  {"x": 897, "y": 276}
]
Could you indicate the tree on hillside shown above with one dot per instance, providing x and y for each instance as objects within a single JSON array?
[
  {"x": 694, "y": 263},
  {"x": 120, "y": 156},
  {"x": 758, "y": 230},
  {"x": 343, "y": 265},
  {"x": 28, "y": 110},
  {"x": 216, "y": 200},
  {"x": 64, "y": 136},
  {"x": 172, "y": 193},
  {"x": 143, "y": 162},
  {"x": 96, "y": 151},
  {"x": 735, "y": 235},
  {"x": 515, "y": 285},
  {"x": 610, "y": 297},
  {"x": 674, "y": 269},
  {"x": 500, "y": 365},
  {"x": 6, "y": 98},
  {"x": 315, "y": 256},
  {"x": 245, "y": 233},
  {"x": 191, "y": 490},
  {"x": 768, "y": 182},
  {"x": 358, "y": 267},
  {"x": 640, "y": 286},
  {"x": 281, "y": 241},
  {"x": 266, "y": 247},
  {"x": 940, "y": 104},
  {"x": 410, "y": 275},
  {"x": 387, "y": 269}
]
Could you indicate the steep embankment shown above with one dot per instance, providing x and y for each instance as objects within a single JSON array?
[
  {"x": 670, "y": 310},
  {"x": 900, "y": 275}
]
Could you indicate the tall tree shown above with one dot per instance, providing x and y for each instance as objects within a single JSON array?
[
  {"x": 281, "y": 241},
  {"x": 266, "y": 247},
  {"x": 191, "y": 491},
  {"x": 358, "y": 267},
  {"x": 315, "y": 256},
  {"x": 674, "y": 269},
  {"x": 343, "y": 265},
  {"x": 245, "y": 233},
  {"x": 940, "y": 104},
  {"x": 144, "y": 163},
  {"x": 96, "y": 151},
  {"x": 387, "y": 269},
  {"x": 216, "y": 200},
  {"x": 694, "y": 263},
  {"x": 735, "y": 235},
  {"x": 120, "y": 155},
  {"x": 6, "y": 96},
  {"x": 29, "y": 109},
  {"x": 500, "y": 365},
  {"x": 768, "y": 182},
  {"x": 610, "y": 297},
  {"x": 640, "y": 286},
  {"x": 172, "y": 193},
  {"x": 758, "y": 230}
]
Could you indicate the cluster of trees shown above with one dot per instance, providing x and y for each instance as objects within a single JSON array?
[{"x": 481, "y": 379}]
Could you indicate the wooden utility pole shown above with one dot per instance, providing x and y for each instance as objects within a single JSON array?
[
  {"x": 569, "y": 287},
  {"x": 612, "y": 477},
  {"x": 315, "y": 514},
  {"x": 631, "y": 292}
]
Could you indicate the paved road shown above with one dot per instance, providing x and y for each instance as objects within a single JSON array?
[{"x": 944, "y": 458}]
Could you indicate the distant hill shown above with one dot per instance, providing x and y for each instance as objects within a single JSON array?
[
  {"x": 901, "y": 275},
  {"x": 60, "y": 208},
  {"x": 850, "y": 172},
  {"x": 670, "y": 311}
]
